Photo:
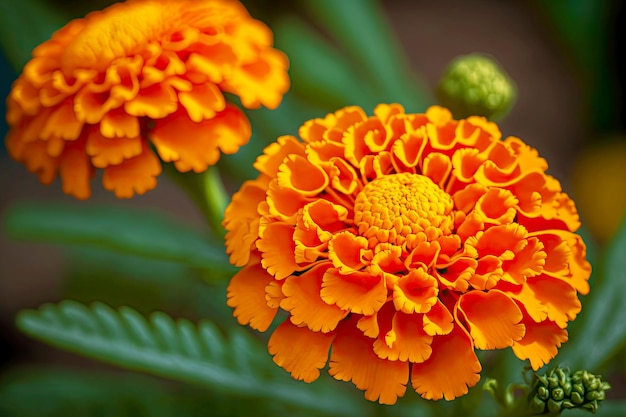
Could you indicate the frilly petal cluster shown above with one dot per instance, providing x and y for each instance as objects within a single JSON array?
[
  {"x": 398, "y": 245},
  {"x": 140, "y": 81}
]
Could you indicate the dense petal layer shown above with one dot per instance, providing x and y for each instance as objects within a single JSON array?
[
  {"x": 411, "y": 240},
  {"x": 352, "y": 359},
  {"x": 137, "y": 71},
  {"x": 302, "y": 300}
]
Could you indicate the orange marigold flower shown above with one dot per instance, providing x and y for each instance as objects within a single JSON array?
[
  {"x": 404, "y": 242},
  {"x": 107, "y": 89}
]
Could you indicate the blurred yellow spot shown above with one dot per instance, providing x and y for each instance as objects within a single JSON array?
[{"x": 599, "y": 185}]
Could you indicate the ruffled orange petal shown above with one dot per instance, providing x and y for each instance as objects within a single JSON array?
[
  {"x": 540, "y": 343},
  {"x": 352, "y": 359},
  {"x": 348, "y": 252},
  {"x": 298, "y": 174},
  {"x": 75, "y": 171},
  {"x": 202, "y": 102},
  {"x": 275, "y": 153},
  {"x": 416, "y": 292},
  {"x": 111, "y": 151},
  {"x": 450, "y": 370},
  {"x": 302, "y": 300},
  {"x": 133, "y": 176},
  {"x": 241, "y": 221},
  {"x": 558, "y": 296},
  {"x": 526, "y": 297},
  {"x": 438, "y": 320},
  {"x": 196, "y": 146},
  {"x": 300, "y": 351},
  {"x": 402, "y": 338},
  {"x": 284, "y": 203},
  {"x": 277, "y": 249},
  {"x": 358, "y": 292},
  {"x": 246, "y": 294},
  {"x": 493, "y": 319},
  {"x": 118, "y": 124}
]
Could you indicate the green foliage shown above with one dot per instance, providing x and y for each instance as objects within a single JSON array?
[
  {"x": 55, "y": 392},
  {"x": 360, "y": 28},
  {"x": 594, "y": 339},
  {"x": 136, "y": 232},
  {"x": 23, "y": 25},
  {"x": 178, "y": 350},
  {"x": 320, "y": 72},
  {"x": 39, "y": 392}
]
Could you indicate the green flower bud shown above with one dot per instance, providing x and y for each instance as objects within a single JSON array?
[
  {"x": 559, "y": 390},
  {"x": 476, "y": 85}
]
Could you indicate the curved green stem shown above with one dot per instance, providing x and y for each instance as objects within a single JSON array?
[{"x": 207, "y": 191}]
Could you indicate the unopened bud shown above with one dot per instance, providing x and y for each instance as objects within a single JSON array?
[{"x": 476, "y": 85}]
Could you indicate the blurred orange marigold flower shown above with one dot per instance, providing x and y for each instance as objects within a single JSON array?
[
  {"x": 404, "y": 242},
  {"x": 138, "y": 75}
]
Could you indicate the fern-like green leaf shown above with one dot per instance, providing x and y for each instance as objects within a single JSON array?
[
  {"x": 146, "y": 234},
  {"x": 179, "y": 350}
]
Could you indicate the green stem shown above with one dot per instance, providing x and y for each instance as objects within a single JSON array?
[
  {"x": 207, "y": 191},
  {"x": 215, "y": 198}
]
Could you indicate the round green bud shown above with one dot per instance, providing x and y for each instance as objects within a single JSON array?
[
  {"x": 559, "y": 390},
  {"x": 476, "y": 85}
]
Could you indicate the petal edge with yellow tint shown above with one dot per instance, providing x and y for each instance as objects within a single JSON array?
[
  {"x": 300, "y": 351},
  {"x": 302, "y": 300},
  {"x": 451, "y": 369},
  {"x": 493, "y": 319},
  {"x": 352, "y": 359},
  {"x": 540, "y": 343},
  {"x": 358, "y": 292},
  {"x": 246, "y": 295}
]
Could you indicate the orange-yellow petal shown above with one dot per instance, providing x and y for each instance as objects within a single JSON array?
[
  {"x": 402, "y": 337},
  {"x": 135, "y": 175},
  {"x": 415, "y": 292},
  {"x": 348, "y": 252},
  {"x": 246, "y": 294},
  {"x": 300, "y": 351},
  {"x": 438, "y": 320},
  {"x": 450, "y": 370},
  {"x": 278, "y": 249},
  {"x": 558, "y": 296},
  {"x": 241, "y": 221},
  {"x": 352, "y": 359},
  {"x": 275, "y": 153},
  {"x": 357, "y": 292},
  {"x": 196, "y": 146},
  {"x": 111, "y": 151},
  {"x": 75, "y": 171},
  {"x": 298, "y": 174},
  {"x": 493, "y": 319},
  {"x": 303, "y": 302},
  {"x": 540, "y": 343}
]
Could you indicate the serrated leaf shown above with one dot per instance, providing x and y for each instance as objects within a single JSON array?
[
  {"x": 177, "y": 350},
  {"x": 130, "y": 231}
]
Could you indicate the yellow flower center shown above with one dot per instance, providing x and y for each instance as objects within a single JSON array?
[{"x": 403, "y": 208}]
